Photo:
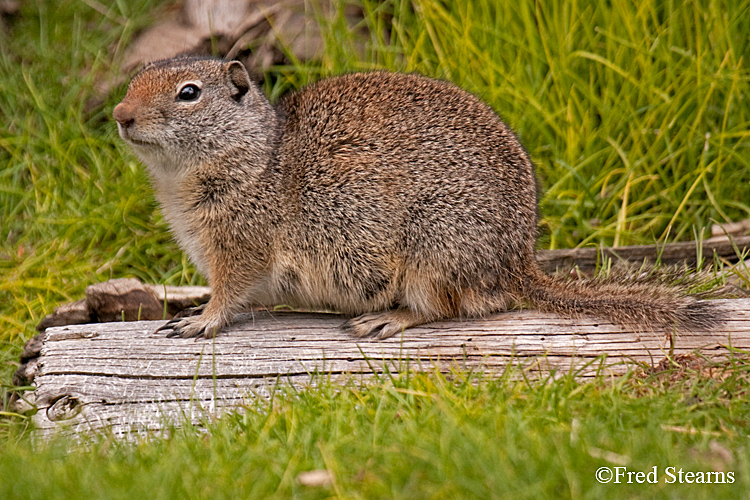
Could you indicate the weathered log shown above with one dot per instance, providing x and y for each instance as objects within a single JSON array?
[
  {"x": 123, "y": 377},
  {"x": 682, "y": 253}
]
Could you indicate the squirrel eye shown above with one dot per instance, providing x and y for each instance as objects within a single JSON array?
[{"x": 189, "y": 92}]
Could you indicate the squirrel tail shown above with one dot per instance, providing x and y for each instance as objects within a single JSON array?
[{"x": 656, "y": 300}]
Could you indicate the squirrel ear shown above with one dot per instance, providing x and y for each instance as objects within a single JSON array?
[{"x": 239, "y": 79}]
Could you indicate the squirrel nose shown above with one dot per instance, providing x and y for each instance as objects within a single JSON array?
[{"x": 123, "y": 114}]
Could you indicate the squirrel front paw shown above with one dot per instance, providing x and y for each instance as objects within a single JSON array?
[{"x": 191, "y": 327}]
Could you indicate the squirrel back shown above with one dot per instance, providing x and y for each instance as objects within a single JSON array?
[{"x": 395, "y": 197}]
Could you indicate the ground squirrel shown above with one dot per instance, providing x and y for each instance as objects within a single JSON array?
[{"x": 394, "y": 197}]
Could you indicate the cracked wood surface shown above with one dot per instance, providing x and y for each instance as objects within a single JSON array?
[{"x": 122, "y": 377}]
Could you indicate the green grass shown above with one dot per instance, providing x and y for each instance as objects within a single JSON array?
[
  {"x": 425, "y": 437},
  {"x": 636, "y": 116}
]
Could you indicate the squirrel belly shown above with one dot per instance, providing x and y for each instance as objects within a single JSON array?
[{"x": 398, "y": 198}]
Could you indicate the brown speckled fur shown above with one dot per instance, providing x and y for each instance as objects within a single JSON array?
[{"x": 395, "y": 197}]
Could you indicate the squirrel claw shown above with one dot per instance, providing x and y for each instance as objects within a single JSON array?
[
  {"x": 381, "y": 325},
  {"x": 169, "y": 325},
  {"x": 172, "y": 334},
  {"x": 187, "y": 328},
  {"x": 187, "y": 324},
  {"x": 191, "y": 311},
  {"x": 363, "y": 326}
]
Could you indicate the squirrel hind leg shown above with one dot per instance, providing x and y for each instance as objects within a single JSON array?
[
  {"x": 384, "y": 324},
  {"x": 423, "y": 304}
]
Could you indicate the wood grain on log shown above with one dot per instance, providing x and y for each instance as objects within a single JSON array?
[{"x": 123, "y": 377}]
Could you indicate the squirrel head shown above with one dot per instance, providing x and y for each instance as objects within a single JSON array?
[{"x": 187, "y": 110}]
